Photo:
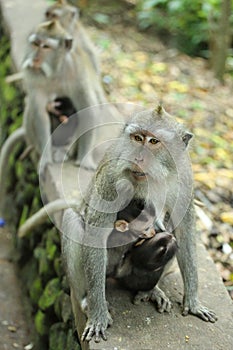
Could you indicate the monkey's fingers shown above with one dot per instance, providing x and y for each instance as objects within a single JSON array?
[
  {"x": 202, "y": 312},
  {"x": 141, "y": 296},
  {"x": 63, "y": 118},
  {"x": 96, "y": 331},
  {"x": 162, "y": 301},
  {"x": 99, "y": 333},
  {"x": 88, "y": 333}
]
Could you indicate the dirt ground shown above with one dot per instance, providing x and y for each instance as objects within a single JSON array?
[{"x": 15, "y": 330}]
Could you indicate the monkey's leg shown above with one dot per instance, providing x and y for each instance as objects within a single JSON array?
[
  {"x": 87, "y": 142},
  {"x": 99, "y": 317},
  {"x": 187, "y": 260},
  {"x": 86, "y": 277},
  {"x": 37, "y": 126},
  {"x": 155, "y": 295},
  {"x": 7, "y": 148}
]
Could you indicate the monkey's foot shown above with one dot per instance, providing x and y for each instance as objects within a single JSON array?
[
  {"x": 200, "y": 311},
  {"x": 96, "y": 328},
  {"x": 155, "y": 295}
]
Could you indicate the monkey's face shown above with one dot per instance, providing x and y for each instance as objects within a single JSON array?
[
  {"x": 47, "y": 48},
  {"x": 142, "y": 229},
  {"x": 154, "y": 145},
  {"x": 146, "y": 144},
  {"x": 66, "y": 14},
  {"x": 42, "y": 51},
  {"x": 146, "y": 151}
]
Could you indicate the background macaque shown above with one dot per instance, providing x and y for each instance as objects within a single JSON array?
[
  {"x": 68, "y": 16},
  {"x": 61, "y": 108},
  {"x": 51, "y": 68},
  {"x": 149, "y": 162}
]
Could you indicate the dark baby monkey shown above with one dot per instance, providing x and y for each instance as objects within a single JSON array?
[
  {"x": 61, "y": 108},
  {"x": 133, "y": 222},
  {"x": 143, "y": 265}
]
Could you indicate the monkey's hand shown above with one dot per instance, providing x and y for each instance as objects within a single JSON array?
[
  {"x": 199, "y": 310},
  {"x": 96, "y": 327},
  {"x": 155, "y": 295}
]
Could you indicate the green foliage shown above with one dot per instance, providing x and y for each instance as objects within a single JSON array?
[
  {"x": 36, "y": 290},
  {"x": 41, "y": 323},
  {"x": 51, "y": 293},
  {"x": 57, "y": 337},
  {"x": 188, "y": 22},
  {"x": 11, "y": 98},
  {"x": 61, "y": 339}
]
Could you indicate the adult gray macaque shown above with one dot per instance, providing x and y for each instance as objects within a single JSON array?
[
  {"x": 68, "y": 16},
  {"x": 52, "y": 69},
  {"x": 149, "y": 162}
]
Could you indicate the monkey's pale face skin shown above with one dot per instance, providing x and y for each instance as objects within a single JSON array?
[
  {"x": 140, "y": 228},
  {"x": 143, "y": 229},
  {"x": 145, "y": 145},
  {"x": 149, "y": 142},
  {"x": 40, "y": 48}
]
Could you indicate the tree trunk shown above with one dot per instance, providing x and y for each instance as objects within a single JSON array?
[{"x": 220, "y": 40}]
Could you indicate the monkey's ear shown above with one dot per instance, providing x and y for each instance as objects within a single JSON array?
[
  {"x": 75, "y": 12},
  {"x": 121, "y": 225},
  {"x": 68, "y": 44},
  {"x": 187, "y": 137}
]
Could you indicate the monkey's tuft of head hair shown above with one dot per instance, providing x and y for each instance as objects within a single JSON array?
[{"x": 158, "y": 109}]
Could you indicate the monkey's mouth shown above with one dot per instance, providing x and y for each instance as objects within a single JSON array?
[{"x": 139, "y": 175}]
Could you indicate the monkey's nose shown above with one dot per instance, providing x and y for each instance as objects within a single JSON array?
[{"x": 139, "y": 159}]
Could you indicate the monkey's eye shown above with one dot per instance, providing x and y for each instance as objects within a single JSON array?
[
  {"x": 45, "y": 46},
  {"x": 138, "y": 138},
  {"x": 36, "y": 43},
  {"x": 153, "y": 140},
  {"x": 162, "y": 251},
  {"x": 50, "y": 15}
]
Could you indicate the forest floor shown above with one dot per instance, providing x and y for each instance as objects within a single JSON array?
[{"x": 138, "y": 67}]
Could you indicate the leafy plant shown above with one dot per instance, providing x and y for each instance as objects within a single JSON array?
[{"x": 188, "y": 22}]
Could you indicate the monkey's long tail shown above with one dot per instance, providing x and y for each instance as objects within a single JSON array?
[
  {"x": 7, "y": 148},
  {"x": 41, "y": 216}
]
